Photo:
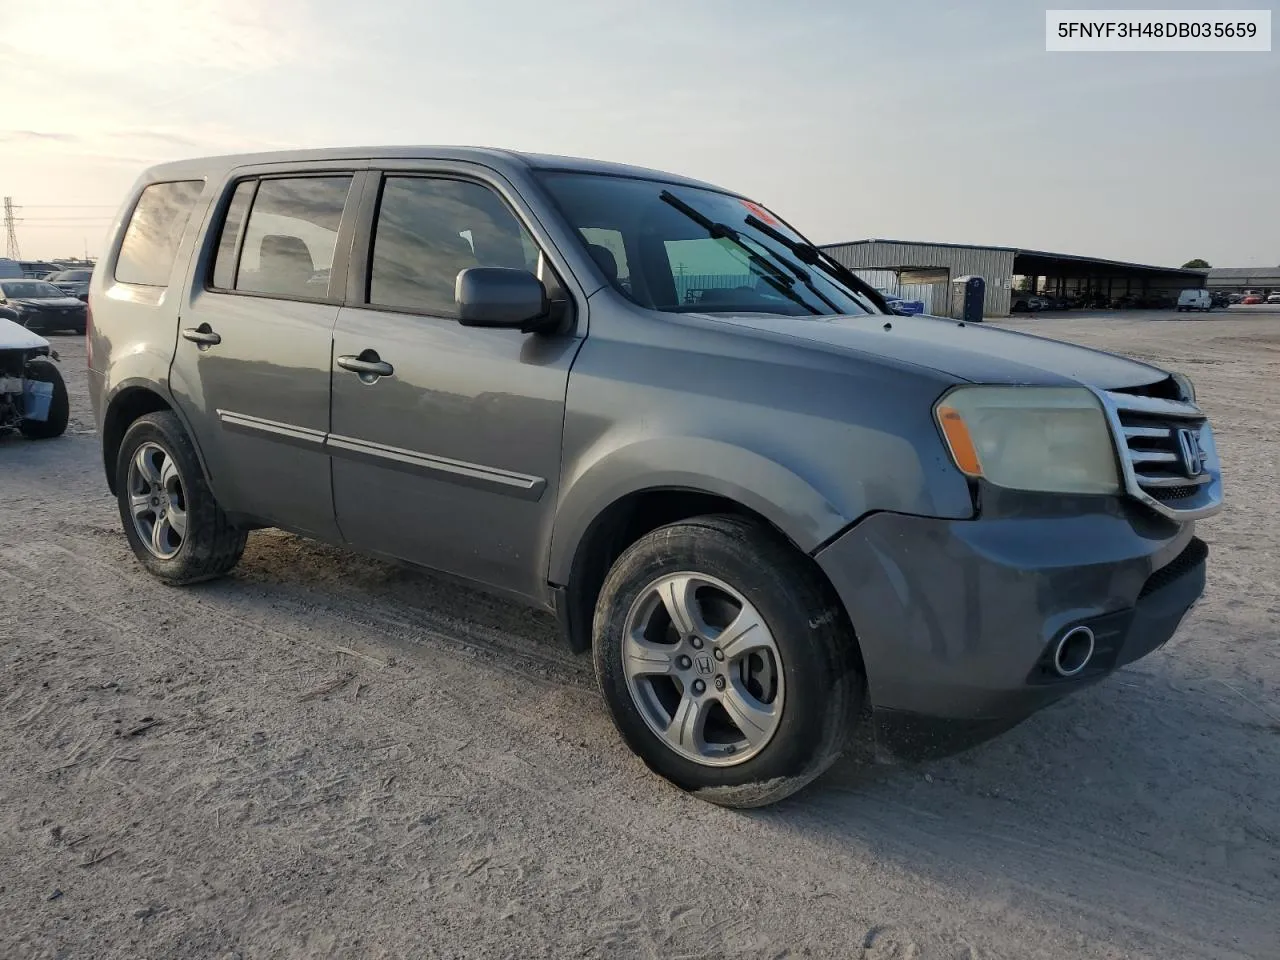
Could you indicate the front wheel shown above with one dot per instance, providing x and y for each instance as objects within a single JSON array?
[
  {"x": 170, "y": 517},
  {"x": 726, "y": 660}
]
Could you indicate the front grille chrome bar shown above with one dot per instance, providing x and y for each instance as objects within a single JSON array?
[{"x": 1167, "y": 455}]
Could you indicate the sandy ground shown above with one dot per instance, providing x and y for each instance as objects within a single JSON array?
[{"x": 325, "y": 756}]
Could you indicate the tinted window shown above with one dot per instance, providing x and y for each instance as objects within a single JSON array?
[
  {"x": 609, "y": 250},
  {"x": 30, "y": 290},
  {"x": 291, "y": 235},
  {"x": 151, "y": 240},
  {"x": 224, "y": 267},
  {"x": 429, "y": 230}
]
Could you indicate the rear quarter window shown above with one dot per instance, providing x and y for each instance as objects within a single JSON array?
[{"x": 150, "y": 243}]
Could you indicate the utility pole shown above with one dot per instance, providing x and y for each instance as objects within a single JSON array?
[{"x": 10, "y": 231}]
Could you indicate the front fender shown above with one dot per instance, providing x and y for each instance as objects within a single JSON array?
[{"x": 801, "y": 511}]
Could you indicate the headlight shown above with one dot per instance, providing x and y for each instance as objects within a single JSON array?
[{"x": 1048, "y": 439}]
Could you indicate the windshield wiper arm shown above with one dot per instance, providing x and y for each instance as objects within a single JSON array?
[
  {"x": 802, "y": 250},
  {"x": 808, "y": 253},
  {"x": 777, "y": 278}
]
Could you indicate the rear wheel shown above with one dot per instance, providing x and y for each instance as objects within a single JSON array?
[
  {"x": 55, "y": 423},
  {"x": 170, "y": 517},
  {"x": 726, "y": 661}
]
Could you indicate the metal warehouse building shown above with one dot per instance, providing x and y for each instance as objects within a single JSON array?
[
  {"x": 924, "y": 271},
  {"x": 1240, "y": 279}
]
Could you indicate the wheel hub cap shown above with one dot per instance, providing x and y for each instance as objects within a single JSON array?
[
  {"x": 157, "y": 501},
  {"x": 703, "y": 669}
]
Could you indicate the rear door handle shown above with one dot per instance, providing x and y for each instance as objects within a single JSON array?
[
  {"x": 369, "y": 365},
  {"x": 203, "y": 336}
]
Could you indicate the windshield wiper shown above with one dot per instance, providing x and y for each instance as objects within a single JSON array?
[
  {"x": 774, "y": 276},
  {"x": 724, "y": 230},
  {"x": 808, "y": 253}
]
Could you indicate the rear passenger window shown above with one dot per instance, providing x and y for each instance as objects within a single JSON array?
[
  {"x": 150, "y": 243},
  {"x": 431, "y": 229},
  {"x": 289, "y": 238}
]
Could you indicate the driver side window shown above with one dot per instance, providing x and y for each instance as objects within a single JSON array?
[{"x": 428, "y": 230}]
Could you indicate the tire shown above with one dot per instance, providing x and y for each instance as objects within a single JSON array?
[
  {"x": 55, "y": 425},
  {"x": 821, "y": 681},
  {"x": 209, "y": 546}
]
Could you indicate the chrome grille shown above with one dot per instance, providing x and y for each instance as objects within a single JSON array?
[{"x": 1168, "y": 457}]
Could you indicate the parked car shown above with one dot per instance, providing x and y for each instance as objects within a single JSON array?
[
  {"x": 1094, "y": 300},
  {"x": 1222, "y": 299},
  {"x": 1200, "y": 300},
  {"x": 1251, "y": 300},
  {"x": 1055, "y": 302},
  {"x": 906, "y": 308},
  {"x": 1025, "y": 303},
  {"x": 37, "y": 269},
  {"x": 74, "y": 283},
  {"x": 33, "y": 396},
  {"x": 757, "y": 523},
  {"x": 43, "y": 307},
  {"x": 1274, "y": 297}
]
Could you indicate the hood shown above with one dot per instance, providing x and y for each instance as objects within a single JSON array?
[
  {"x": 974, "y": 352},
  {"x": 14, "y": 336},
  {"x": 44, "y": 303}
]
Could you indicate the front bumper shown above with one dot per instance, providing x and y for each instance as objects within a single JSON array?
[{"x": 957, "y": 620}]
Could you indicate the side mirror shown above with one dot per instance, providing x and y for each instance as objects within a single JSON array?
[{"x": 498, "y": 297}]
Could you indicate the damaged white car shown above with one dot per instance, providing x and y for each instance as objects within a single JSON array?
[{"x": 33, "y": 397}]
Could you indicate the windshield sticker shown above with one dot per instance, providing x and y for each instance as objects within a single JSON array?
[{"x": 761, "y": 213}]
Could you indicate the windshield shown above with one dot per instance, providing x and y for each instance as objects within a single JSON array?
[
  {"x": 30, "y": 290},
  {"x": 683, "y": 249}
]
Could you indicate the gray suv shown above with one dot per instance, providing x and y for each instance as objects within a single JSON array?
[{"x": 770, "y": 509}]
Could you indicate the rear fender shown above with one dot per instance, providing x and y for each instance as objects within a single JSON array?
[{"x": 120, "y": 393}]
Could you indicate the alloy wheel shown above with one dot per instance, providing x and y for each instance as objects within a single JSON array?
[
  {"x": 703, "y": 669},
  {"x": 157, "y": 501}
]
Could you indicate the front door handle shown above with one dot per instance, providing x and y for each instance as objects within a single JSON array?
[
  {"x": 202, "y": 336},
  {"x": 369, "y": 365}
]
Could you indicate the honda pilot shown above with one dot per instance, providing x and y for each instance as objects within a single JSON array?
[{"x": 770, "y": 508}]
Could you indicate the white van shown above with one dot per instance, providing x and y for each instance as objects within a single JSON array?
[{"x": 1195, "y": 300}]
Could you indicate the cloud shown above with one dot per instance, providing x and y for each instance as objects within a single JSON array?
[
  {"x": 147, "y": 36},
  {"x": 159, "y": 136},
  {"x": 142, "y": 146},
  {"x": 36, "y": 136}
]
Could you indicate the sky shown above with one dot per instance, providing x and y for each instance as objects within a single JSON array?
[{"x": 930, "y": 121}]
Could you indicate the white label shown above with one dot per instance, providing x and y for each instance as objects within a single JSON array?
[{"x": 1135, "y": 31}]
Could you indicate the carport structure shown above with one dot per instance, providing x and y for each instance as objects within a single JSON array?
[
  {"x": 929, "y": 268},
  {"x": 1067, "y": 275}
]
